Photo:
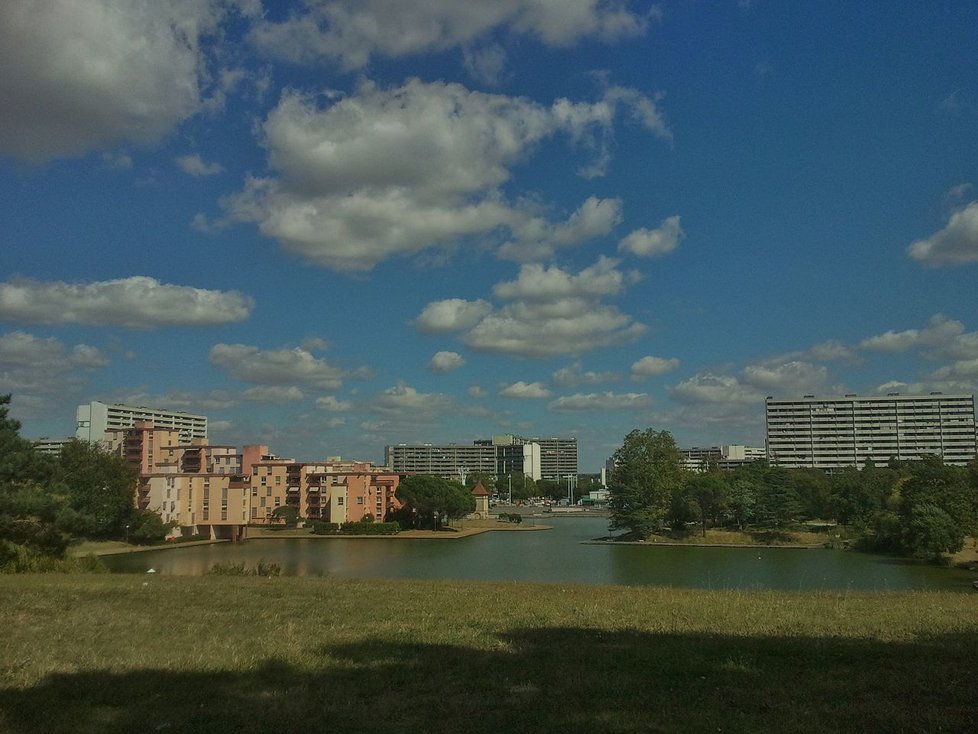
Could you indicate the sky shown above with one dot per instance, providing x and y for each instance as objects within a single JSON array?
[{"x": 334, "y": 225}]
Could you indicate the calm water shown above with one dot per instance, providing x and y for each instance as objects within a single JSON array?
[{"x": 560, "y": 555}]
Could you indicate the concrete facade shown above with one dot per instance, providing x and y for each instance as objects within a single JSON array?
[
  {"x": 835, "y": 432},
  {"x": 95, "y": 418}
]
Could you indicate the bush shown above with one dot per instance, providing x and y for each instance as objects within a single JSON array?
[
  {"x": 367, "y": 528},
  {"x": 325, "y": 528},
  {"x": 21, "y": 559}
]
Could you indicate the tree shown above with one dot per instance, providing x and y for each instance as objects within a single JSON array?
[
  {"x": 99, "y": 486},
  {"x": 648, "y": 470},
  {"x": 777, "y": 501},
  {"x": 523, "y": 486},
  {"x": 147, "y": 527},
  {"x": 287, "y": 514},
  {"x": 930, "y": 532},
  {"x": 709, "y": 495},
  {"x": 428, "y": 500},
  {"x": 741, "y": 499}
]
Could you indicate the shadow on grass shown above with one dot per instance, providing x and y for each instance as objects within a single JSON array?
[{"x": 537, "y": 680}]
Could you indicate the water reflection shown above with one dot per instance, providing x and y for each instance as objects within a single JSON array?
[{"x": 559, "y": 555}]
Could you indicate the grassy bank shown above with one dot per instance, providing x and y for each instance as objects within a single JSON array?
[{"x": 139, "y": 653}]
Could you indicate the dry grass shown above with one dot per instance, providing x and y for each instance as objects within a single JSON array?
[{"x": 137, "y": 653}]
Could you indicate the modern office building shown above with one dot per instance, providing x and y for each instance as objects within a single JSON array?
[
  {"x": 538, "y": 458},
  {"x": 94, "y": 419},
  {"x": 835, "y": 432}
]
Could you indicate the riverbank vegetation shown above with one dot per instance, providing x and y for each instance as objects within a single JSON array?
[
  {"x": 47, "y": 502},
  {"x": 923, "y": 509},
  {"x": 256, "y": 654}
]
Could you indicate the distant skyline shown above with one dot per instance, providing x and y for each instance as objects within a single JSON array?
[{"x": 335, "y": 225}]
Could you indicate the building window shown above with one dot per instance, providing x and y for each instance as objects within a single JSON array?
[{"x": 339, "y": 501}]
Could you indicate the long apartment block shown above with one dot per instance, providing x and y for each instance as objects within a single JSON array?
[
  {"x": 95, "y": 418},
  {"x": 836, "y": 432}
]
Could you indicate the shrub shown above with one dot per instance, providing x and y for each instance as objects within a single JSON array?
[
  {"x": 240, "y": 569},
  {"x": 325, "y": 528}
]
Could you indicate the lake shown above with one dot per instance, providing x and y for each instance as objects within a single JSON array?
[{"x": 560, "y": 555}]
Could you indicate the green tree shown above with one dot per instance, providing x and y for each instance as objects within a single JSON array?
[
  {"x": 428, "y": 500},
  {"x": 99, "y": 486},
  {"x": 147, "y": 527},
  {"x": 287, "y": 514},
  {"x": 742, "y": 499},
  {"x": 777, "y": 500},
  {"x": 648, "y": 470},
  {"x": 930, "y": 533},
  {"x": 523, "y": 486},
  {"x": 709, "y": 495}
]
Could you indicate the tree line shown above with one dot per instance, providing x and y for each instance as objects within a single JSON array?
[
  {"x": 920, "y": 508},
  {"x": 46, "y": 501}
]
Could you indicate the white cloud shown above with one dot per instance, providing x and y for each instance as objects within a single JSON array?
[
  {"x": 653, "y": 366},
  {"x": 273, "y": 394},
  {"x": 956, "y": 244},
  {"x": 786, "y": 377},
  {"x": 654, "y": 242},
  {"x": 450, "y": 315},
  {"x": 538, "y": 239},
  {"x": 573, "y": 375},
  {"x": 189, "y": 402},
  {"x": 526, "y": 390},
  {"x": 195, "y": 166},
  {"x": 333, "y": 404},
  {"x": 475, "y": 391},
  {"x": 550, "y": 311},
  {"x": 406, "y": 401},
  {"x": 537, "y": 283},
  {"x": 136, "y": 302},
  {"x": 282, "y": 367},
  {"x": 601, "y": 401},
  {"x": 940, "y": 332},
  {"x": 78, "y": 76},
  {"x": 381, "y": 173},
  {"x": 352, "y": 31},
  {"x": 444, "y": 362},
  {"x": 35, "y": 365},
  {"x": 708, "y": 387}
]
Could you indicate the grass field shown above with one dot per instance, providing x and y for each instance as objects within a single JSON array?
[{"x": 117, "y": 653}]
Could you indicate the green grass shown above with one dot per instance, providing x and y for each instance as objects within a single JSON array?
[{"x": 117, "y": 653}]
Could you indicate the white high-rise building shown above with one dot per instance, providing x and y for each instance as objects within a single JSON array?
[
  {"x": 94, "y": 419},
  {"x": 835, "y": 432}
]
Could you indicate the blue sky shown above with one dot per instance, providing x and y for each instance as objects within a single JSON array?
[{"x": 330, "y": 226}]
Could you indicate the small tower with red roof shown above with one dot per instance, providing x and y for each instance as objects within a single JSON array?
[{"x": 481, "y": 502}]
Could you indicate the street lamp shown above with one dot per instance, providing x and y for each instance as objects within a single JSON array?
[{"x": 127, "y": 533}]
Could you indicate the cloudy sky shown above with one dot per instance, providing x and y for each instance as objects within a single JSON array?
[{"x": 331, "y": 225}]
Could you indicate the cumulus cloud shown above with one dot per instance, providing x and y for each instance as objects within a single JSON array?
[
  {"x": 444, "y": 362},
  {"x": 955, "y": 244},
  {"x": 350, "y": 32},
  {"x": 547, "y": 311},
  {"x": 451, "y": 315},
  {"x": 526, "y": 390},
  {"x": 33, "y": 365},
  {"x": 136, "y": 302},
  {"x": 332, "y": 404},
  {"x": 404, "y": 400},
  {"x": 652, "y": 366},
  {"x": 277, "y": 367},
  {"x": 940, "y": 331},
  {"x": 574, "y": 375},
  {"x": 196, "y": 166},
  {"x": 601, "y": 401},
  {"x": 381, "y": 173},
  {"x": 709, "y": 387},
  {"x": 78, "y": 76},
  {"x": 654, "y": 242},
  {"x": 273, "y": 394},
  {"x": 786, "y": 378}
]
